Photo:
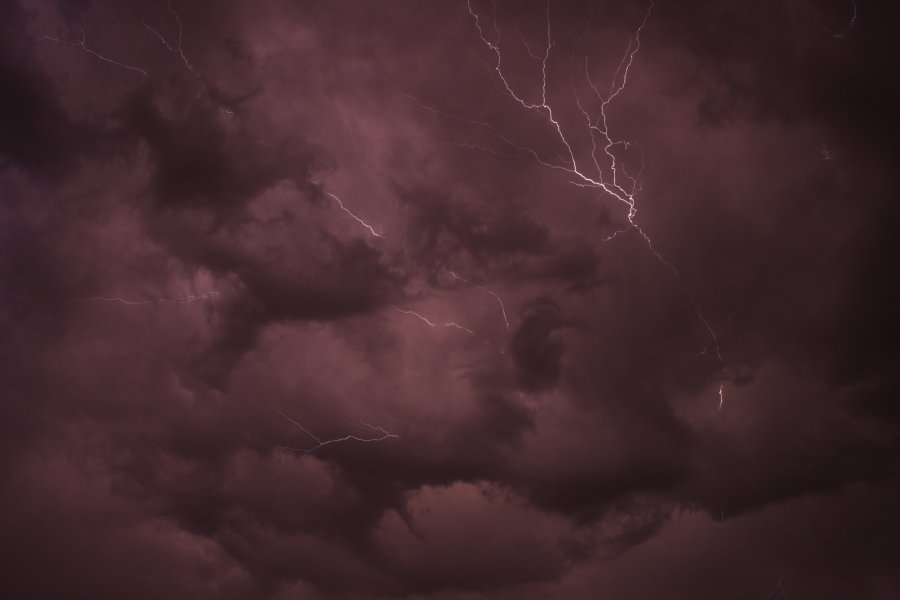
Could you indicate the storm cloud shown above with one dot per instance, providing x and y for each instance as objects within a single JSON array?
[{"x": 399, "y": 300}]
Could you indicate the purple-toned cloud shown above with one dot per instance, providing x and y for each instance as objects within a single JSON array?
[{"x": 448, "y": 300}]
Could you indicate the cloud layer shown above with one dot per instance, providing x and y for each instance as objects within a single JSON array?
[{"x": 298, "y": 301}]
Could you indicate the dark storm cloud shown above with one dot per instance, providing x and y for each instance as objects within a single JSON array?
[
  {"x": 183, "y": 299},
  {"x": 536, "y": 351},
  {"x": 807, "y": 75},
  {"x": 37, "y": 132},
  {"x": 347, "y": 280},
  {"x": 441, "y": 227},
  {"x": 577, "y": 264},
  {"x": 199, "y": 165}
]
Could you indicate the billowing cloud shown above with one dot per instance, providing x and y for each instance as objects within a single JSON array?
[{"x": 392, "y": 300}]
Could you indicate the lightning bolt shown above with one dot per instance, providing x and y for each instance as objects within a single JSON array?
[
  {"x": 431, "y": 323},
  {"x": 179, "y": 38},
  {"x": 120, "y": 300},
  {"x": 182, "y": 300},
  {"x": 491, "y": 292},
  {"x": 615, "y": 180},
  {"x": 779, "y": 589},
  {"x": 612, "y": 236},
  {"x": 354, "y": 217},
  {"x": 321, "y": 443},
  {"x": 82, "y": 43},
  {"x": 105, "y": 299},
  {"x": 849, "y": 25}
]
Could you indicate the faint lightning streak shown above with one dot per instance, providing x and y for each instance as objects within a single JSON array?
[
  {"x": 357, "y": 219},
  {"x": 113, "y": 299},
  {"x": 182, "y": 300},
  {"x": 612, "y": 236},
  {"x": 471, "y": 146},
  {"x": 432, "y": 323},
  {"x": 491, "y": 292},
  {"x": 200, "y": 298},
  {"x": 120, "y": 300},
  {"x": 779, "y": 588},
  {"x": 320, "y": 443},
  {"x": 849, "y": 25},
  {"x": 83, "y": 45},
  {"x": 178, "y": 47}
]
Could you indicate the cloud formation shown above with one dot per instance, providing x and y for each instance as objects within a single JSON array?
[{"x": 677, "y": 384}]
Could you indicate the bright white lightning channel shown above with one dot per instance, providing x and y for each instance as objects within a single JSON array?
[
  {"x": 354, "y": 217},
  {"x": 614, "y": 181}
]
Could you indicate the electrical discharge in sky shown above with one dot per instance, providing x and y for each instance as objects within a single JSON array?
[{"x": 614, "y": 181}]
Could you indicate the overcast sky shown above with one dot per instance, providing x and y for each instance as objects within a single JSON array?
[{"x": 307, "y": 299}]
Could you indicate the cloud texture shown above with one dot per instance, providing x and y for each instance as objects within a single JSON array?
[{"x": 295, "y": 303}]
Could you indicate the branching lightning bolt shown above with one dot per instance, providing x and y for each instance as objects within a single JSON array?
[
  {"x": 178, "y": 46},
  {"x": 82, "y": 43},
  {"x": 779, "y": 589},
  {"x": 615, "y": 181},
  {"x": 321, "y": 443},
  {"x": 491, "y": 292}
]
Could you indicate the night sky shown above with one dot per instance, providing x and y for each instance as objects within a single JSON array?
[{"x": 308, "y": 299}]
